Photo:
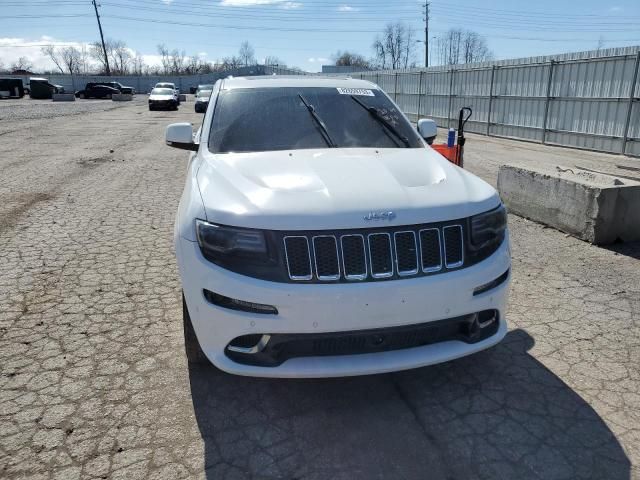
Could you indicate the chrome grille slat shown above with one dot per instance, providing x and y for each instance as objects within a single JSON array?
[
  {"x": 430, "y": 250},
  {"x": 294, "y": 255},
  {"x": 374, "y": 255},
  {"x": 378, "y": 254},
  {"x": 356, "y": 256},
  {"x": 406, "y": 255},
  {"x": 453, "y": 246},
  {"x": 324, "y": 257}
]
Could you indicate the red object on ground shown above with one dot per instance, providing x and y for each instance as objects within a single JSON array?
[{"x": 450, "y": 153}]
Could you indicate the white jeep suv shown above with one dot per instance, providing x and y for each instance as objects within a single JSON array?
[{"x": 319, "y": 235}]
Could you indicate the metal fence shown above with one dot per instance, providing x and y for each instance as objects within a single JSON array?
[{"x": 584, "y": 100}]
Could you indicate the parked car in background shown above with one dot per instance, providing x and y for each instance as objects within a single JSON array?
[
  {"x": 163, "y": 99},
  {"x": 169, "y": 85},
  {"x": 97, "y": 90},
  {"x": 41, "y": 88},
  {"x": 118, "y": 86},
  {"x": 319, "y": 235},
  {"x": 203, "y": 87},
  {"x": 202, "y": 100}
]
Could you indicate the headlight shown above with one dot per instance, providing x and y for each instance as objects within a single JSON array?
[
  {"x": 220, "y": 241},
  {"x": 246, "y": 251},
  {"x": 488, "y": 228}
]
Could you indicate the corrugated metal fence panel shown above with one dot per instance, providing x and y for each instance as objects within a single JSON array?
[
  {"x": 589, "y": 103},
  {"x": 575, "y": 99},
  {"x": 408, "y": 93},
  {"x": 633, "y": 145},
  {"x": 518, "y": 105},
  {"x": 435, "y": 101}
]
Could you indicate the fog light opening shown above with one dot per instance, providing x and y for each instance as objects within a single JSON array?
[
  {"x": 486, "y": 318},
  {"x": 249, "y": 344},
  {"x": 241, "y": 305}
]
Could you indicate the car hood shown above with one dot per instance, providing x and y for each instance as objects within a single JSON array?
[
  {"x": 160, "y": 97},
  {"x": 337, "y": 188}
]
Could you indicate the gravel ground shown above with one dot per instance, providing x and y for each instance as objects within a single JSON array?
[
  {"x": 94, "y": 383},
  {"x": 28, "y": 109}
]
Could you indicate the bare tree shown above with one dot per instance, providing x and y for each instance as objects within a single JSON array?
[
  {"x": 350, "y": 59},
  {"x": 23, "y": 63},
  {"x": 462, "y": 46},
  {"x": 274, "y": 61},
  {"x": 395, "y": 48},
  {"x": 178, "y": 60},
  {"x": 120, "y": 56},
  {"x": 194, "y": 65},
  {"x": 51, "y": 52},
  {"x": 72, "y": 59},
  {"x": 165, "y": 58},
  {"x": 247, "y": 54},
  {"x": 230, "y": 63},
  {"x": 97, "y": 52},
  {"x": 600, "y": 45},
  {"x": 137, "y": 64}
]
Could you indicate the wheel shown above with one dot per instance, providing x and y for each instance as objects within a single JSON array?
[
  {"x": 195, "y": 355},
  {"x": 109, "y": 96},
  {"x": 82, "y": 95}
]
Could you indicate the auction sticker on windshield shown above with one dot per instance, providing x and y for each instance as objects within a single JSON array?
[{"x": 356, "y": 91}]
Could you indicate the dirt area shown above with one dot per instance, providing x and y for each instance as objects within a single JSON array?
[{"x": 94, "y": 382}]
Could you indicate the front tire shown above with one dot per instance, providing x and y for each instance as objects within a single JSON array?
[
  {"x": 195, "y": 355},
  {"x": 82, "y": 96}
]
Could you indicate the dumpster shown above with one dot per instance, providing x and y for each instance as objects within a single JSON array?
[
  {"x": 41, "y": 88},
  {"x": 11, "y": 88}
]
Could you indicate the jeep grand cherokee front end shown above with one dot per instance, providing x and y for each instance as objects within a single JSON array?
[{"x": 318, "y": 235}]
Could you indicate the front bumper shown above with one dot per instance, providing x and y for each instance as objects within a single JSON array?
[
  {"x": 338, "y": 308},
  {"x": 163, "y": 103}
]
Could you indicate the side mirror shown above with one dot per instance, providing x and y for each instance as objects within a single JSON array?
[
  {"x": 428, "y": 129},
  {"x": 180, "y": 135}
]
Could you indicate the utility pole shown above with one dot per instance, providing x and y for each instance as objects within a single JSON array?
[
  {"x": 426, "y": 34},
  {"x": 104, "y": 48}
]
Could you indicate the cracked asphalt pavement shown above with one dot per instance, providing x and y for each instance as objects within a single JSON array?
[{"x": 94, "y": 382}]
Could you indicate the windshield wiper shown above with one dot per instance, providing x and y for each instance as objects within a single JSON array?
[
  {"x": 316, "y": 117},
  {"x": 382, "y": 121}
]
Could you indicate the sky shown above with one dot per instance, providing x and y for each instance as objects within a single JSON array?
[{"x": 307, "y": 33}]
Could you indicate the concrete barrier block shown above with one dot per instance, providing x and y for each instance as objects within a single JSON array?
[
  {"x": 64, "y": 97},
  {"x": 183, "y": 97},
  {"x": 600, "y": 208},
  {"x": 122, "y": 97}
]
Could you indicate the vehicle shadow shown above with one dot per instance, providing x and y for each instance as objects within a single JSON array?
[
  {"x": 629, "y": 249},
  {"x": 499, "y": 414}
]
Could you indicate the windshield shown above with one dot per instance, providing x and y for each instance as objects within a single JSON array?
[
  {"x": 205, "y": 87},
  {"x": 164, "y": 85},
  {"x": 161, "y": 91},
  {"x": 266, "y": 119},
  {"x": 203, "y": 93}
]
